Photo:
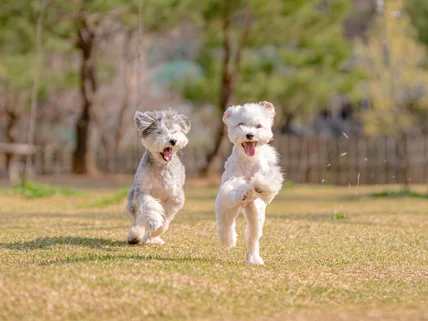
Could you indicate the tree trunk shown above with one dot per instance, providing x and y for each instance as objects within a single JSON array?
[
  {"x": 127, "y": 98},
  {"x": 87, "y": 46},
  {"x": 81, "y": 150},
  {"x": 230, "y": 73},
  {"x": 12, "y": 119},
  {"x": 225, "y": 93}
]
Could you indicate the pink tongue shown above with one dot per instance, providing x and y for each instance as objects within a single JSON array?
[
  {"x": 250, "y": 148},
  {"x": 167, "y": 154}
]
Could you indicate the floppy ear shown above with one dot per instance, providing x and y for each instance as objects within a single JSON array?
[
  {"x": 143, "y": 120},
  {"x": 185, "y": 124},
  {"x": 229, "y": 112},
  {"x": 269, "y": 107}
]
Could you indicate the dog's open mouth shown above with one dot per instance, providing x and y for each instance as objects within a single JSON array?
[
  {"x": 167, "y": 154},
  {"x": 249, "y": 148}
]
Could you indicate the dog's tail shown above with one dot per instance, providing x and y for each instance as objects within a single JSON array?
[{"x": 152, "y": 213}]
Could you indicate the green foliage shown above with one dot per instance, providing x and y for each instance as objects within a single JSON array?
[
  {"x": 296, "y": 55},
  {"x": 204, "y": 88},
  {"x": 17, "y": 53},
  {"x": 418, "y": 13},
  {"x": 303, "y": 73},
  {"x": 17, "y": 20},
  {"x": 32, "y": 189},
  {"x": 396, "y": 83}
]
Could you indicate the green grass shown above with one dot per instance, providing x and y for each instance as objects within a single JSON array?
[
  {"x": 339, "y": 216},
  {"x": 63, "y": 259},
  {"x": 32, "y": 189},
  {"x": 400, "y": 193}
]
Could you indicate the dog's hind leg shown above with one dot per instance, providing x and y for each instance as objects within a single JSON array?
[
  {"x": 233, "y": 193},
  {"x": 149, "y": 216},
  {"x": 255, "y": 216},
  {"x": 136, "y": 233},
  {"x": 226, "y": 225},
  {"x": 154, "y": 236}
]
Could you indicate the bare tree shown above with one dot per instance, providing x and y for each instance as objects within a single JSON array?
[{"x": 34, "y": 91}]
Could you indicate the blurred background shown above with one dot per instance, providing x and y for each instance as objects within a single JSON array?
[{"x": 348, "y": 80}]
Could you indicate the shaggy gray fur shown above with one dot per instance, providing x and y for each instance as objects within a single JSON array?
[{"x": 157, "y": 194}]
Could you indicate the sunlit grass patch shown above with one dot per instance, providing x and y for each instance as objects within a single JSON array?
[
  {"x": 401, "y": 193},
  {"x": 339, "y": 216},
  {"x": 33, "y": 189},
  {"x": 288, "y": 185},
  {"x": 116, "y": 198},
  {"x": 326, "y": 258}
]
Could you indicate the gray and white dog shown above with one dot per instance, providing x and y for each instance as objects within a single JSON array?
[{"x": 157, "y": 194}]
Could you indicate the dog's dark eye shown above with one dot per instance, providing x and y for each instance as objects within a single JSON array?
[
  {"x": 240, "y": 124},
  {"x": 259, "y": 126}
]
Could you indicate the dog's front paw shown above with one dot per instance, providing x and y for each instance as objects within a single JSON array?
[
  {"x": 246, "y": 194},
  {"x": 258, "y": 190},
  {"x": 254, "y": 259}
]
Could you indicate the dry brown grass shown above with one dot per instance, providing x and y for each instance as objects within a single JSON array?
[{"x": 330, "y": 254}]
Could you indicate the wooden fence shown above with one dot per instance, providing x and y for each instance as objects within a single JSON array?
[
  {"x": 316, "y": 160},
  {"x": 363, "y": 160}
]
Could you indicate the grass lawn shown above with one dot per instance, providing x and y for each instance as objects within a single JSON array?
[{"x": 330, "y": 254}]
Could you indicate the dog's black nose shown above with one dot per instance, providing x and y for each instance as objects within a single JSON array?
[
  {"x": 173, "y": 142},
  {"x": 250, "y": 136}
]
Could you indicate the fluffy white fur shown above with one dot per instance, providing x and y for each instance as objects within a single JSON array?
[
  {"x": 252, "y": 177},
  {"x": 157, "y": 194}
]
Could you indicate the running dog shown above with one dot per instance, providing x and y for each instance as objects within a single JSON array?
[
  {"x": 157, "y": 194},
  {"x": 252, "y": 177}
]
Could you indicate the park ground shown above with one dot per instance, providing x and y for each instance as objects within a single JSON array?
[{"x": 331, "y": 253}]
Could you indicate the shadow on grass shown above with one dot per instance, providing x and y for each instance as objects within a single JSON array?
[
  {"x": 98, "y": 243},
  {"x": 47, "y": 242}
]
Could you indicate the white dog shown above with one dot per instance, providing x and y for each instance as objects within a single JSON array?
[
  {"x": 157, "y": 194},
  {"x": 252, "y": 177}
]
